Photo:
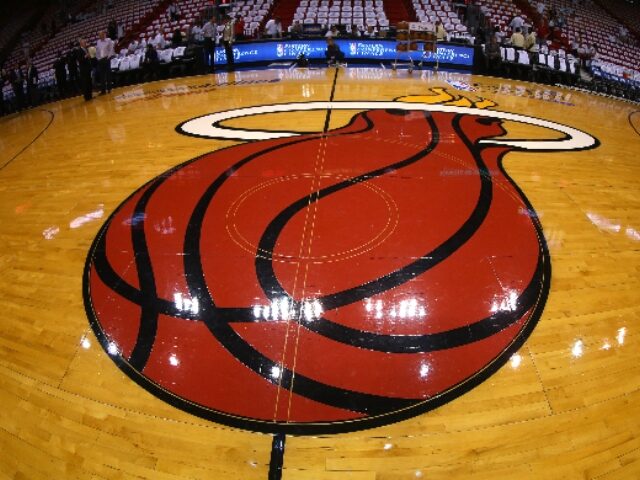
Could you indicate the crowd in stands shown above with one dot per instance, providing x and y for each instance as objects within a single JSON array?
[
  {"x": 575, "y": 37},
  {"x": 66, "y": 49}
]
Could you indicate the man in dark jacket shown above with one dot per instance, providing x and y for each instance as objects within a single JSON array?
[
  {"x": 32, "y": 84},
  {"x": 151, "y": 62},
  {"x": 112, "y": 30},
  {"x": 334, "y": 55},
  {"x": 60, "y": 68},
  {"x": 72, "y": 67},
  {"x": 473, "y": 16},
  {"x": 84, "y": 64},
  {"x": 4, "y": 77},
  {"x": 16, "y": 79}
]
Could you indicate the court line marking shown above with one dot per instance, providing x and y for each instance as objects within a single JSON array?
[
  {"x": 53, "y": 115},
  {"x": 637, "y": 112}
]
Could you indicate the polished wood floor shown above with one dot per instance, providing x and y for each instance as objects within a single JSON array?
[{"x": 565, "y": 406}]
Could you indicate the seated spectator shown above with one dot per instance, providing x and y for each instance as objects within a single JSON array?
[
  {"x": 133, "y": 46},
  {"x": 492, "y": 56},
  {"x": 370, "y": 32},
  {"x": 151, "y": 62},
  {"x": 332, "y": 32},
  {"x": 296, "y": 29},
  {"x": 574, "y": 44},
  {"x": 158, "y": 41},
  {"x": 592, "y": 55},
  {"x": 176, "y": 39},
  {"x": 355, "y": 31},
  {"x": 333, "y": 53},
  {"x": 517, "y": 39},
  {"x": 556, "y": 38},
  {"x": 583, "y": 54}
]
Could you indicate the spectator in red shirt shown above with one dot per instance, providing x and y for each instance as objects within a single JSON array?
[
  {"x": 239, "y": 28},
  {"x": 543, "y": 29}
]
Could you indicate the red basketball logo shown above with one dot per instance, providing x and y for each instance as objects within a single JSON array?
[{"x": 267, "y": 286}]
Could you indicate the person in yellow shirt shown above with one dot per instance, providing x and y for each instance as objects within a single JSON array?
[
  {"x": 517, "y": 39},
  {"x": 441, "y": 33},
  {"x": 530, "y": 42}
]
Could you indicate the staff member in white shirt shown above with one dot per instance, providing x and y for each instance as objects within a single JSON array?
[
  {"x": 273, "y": 28},
  {"x": 104, "y": 52},
  {"x": 159, "y": 41}
]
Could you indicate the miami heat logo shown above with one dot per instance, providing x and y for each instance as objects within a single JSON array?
[{"x": 331, "y": 281}]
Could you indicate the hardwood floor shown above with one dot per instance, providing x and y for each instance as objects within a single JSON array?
[{"x": 564, "y": 401}]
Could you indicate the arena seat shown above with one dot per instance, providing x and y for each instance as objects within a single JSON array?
[
  {"x": 590, "y": 24},
  {"x": 343, "y": 12},
  {"x": 430, "y": 11}
]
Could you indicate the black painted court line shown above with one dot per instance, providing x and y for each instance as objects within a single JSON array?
[
  {"x": 277, "y": 446},
  {"x": 333, "y": 92},
  {"x": 32, "y": 141},
  {"x": 277, "y": 456},
  {"x": 631, "y": 122}
]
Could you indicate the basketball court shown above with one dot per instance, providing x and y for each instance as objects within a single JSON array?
[{"x": 312, "y": 274}]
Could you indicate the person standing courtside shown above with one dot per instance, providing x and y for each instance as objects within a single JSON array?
[
  {"x": 16, "y": 79},
  {"x": 238, "y": 28},
  {"x": 228, "y": 37},
  {"x": 59, "y": 67},
  {"x": 72, "y": 68},
  {"x": 209, "y": 33},
  {"x": 441, "y": 33},
  {"x": 84, "y": 65},
  {"x": 32, "y": 84},
  {"x": 104, "y": 52},
  {"x": 151, "y": 62},
  {"x": 273, "y": 28},
  {"x": 4, "y": 77}
]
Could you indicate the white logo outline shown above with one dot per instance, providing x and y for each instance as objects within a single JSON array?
[{"x": 208, "y": 126}]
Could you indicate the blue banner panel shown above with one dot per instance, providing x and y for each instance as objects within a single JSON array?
[{"x": 355, "y": 49}]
